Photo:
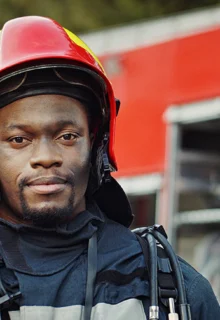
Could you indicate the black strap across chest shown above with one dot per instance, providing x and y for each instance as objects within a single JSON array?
[{"x": 6, "y": 299}]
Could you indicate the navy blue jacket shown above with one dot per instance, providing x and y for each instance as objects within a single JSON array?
[{"x": 49, "y": 268}]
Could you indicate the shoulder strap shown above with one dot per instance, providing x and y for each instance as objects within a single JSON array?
[
  {"x": 144, "y": 248},
  {"x": 166, "y": 280}
]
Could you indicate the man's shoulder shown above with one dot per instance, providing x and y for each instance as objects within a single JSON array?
[
  {"x": 194, "y": 280},
  {"x": 120, "y": 250},
  {"x": 190, "y": 274},
  {"x": 199, "y": 292}
]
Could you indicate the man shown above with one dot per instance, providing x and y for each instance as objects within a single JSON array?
[{"x": 66, "y": 250}]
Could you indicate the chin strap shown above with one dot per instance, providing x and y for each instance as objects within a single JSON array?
[{"x": 103, "y": 167}]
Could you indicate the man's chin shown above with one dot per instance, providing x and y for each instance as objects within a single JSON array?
[
  {"x": 48, "y": 216},
  {"x": 47, "y": 212}
]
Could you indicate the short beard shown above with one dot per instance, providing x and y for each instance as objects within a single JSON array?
[{"x": 47, "y": 217}]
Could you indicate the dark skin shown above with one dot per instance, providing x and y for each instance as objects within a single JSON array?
[{"x": 45, "y": 148}]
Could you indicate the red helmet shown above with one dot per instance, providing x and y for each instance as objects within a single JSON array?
[{"x": 33, "y": 43}]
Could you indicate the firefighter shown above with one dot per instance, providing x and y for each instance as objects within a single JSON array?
[{"x": 66, "y": 250}]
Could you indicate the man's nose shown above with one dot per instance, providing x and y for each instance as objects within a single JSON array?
[{"x": 46, "y": 154}]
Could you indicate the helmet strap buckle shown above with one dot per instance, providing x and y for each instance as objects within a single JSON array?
[{"x": 105, "y": 160}]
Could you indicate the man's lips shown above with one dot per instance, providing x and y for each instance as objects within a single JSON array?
[{"x": 47, "y": 185}]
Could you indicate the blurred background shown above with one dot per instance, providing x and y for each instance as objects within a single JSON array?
[{"x": 163, "y": 58}]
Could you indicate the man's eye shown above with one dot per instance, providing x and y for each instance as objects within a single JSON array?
[
  {"x": 17, "y": 139},
  {"x": 68, "y": 136}
]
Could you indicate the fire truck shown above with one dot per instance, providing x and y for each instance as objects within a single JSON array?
[{"x": 166, "y": 73}]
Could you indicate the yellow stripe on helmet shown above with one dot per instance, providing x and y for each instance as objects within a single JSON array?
[{"x": 82, "y": 44}]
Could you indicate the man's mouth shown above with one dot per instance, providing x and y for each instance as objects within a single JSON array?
[{"x": 47, "y": 185}]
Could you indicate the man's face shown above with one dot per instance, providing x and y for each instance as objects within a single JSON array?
[{"x": 45, "y": 147}]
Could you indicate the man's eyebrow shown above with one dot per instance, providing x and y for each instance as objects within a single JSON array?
[
  {"x": 63, "y": 123},
  {"x": 16, "y": 126},
  {"x": 58, "y": 124}
]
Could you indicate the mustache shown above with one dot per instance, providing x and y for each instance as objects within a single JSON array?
[{"x": 47, "y": 179}]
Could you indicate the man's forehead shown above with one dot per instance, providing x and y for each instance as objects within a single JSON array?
[{"x": 54, "y": 101}]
